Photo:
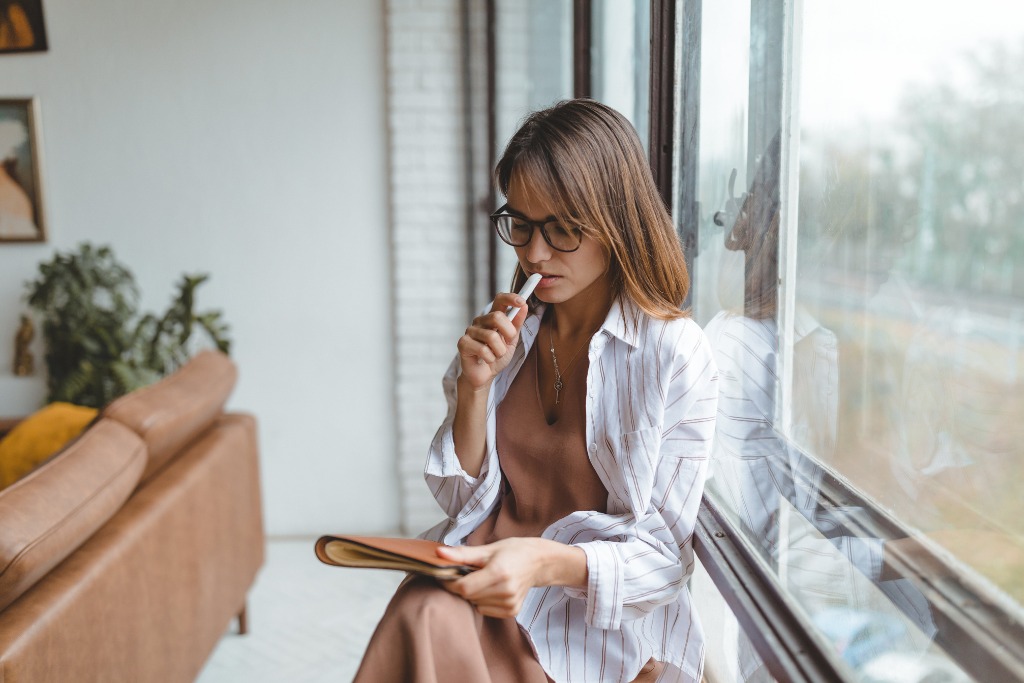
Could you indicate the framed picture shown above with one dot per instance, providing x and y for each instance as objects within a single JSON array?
[
  {"x": 21, "y": 26},
  {"x": 21, "y": 189}
]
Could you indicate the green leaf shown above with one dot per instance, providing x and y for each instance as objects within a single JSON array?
[{"x": 97, "y": 346}]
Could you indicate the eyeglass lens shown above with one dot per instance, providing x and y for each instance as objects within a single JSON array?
[{"x": 517, "y": 232}]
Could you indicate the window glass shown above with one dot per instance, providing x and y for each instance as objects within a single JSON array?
[
  {"x": 722, "y": 148},
  {"x": 911, "y": 256},
  {"x": 534, "y": 59},
  {"x": 866, "y": 152},
  {"x": 620, "y": 59}
]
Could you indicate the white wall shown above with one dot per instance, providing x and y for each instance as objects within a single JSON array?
[{"x": 245, "y": 138}]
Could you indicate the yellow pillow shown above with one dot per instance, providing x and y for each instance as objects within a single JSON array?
[{"x": 39, "y": 436}]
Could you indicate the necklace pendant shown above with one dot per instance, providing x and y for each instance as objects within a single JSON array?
[{"x": 558, "y": 389}]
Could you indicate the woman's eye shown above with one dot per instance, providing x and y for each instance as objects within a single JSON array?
[{"x": 562, "y": 231}]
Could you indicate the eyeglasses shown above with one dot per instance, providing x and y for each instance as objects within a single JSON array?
[{"x": 517, "y": 231}]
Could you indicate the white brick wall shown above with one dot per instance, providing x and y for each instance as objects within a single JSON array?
[{"x": 427, "y": 204}]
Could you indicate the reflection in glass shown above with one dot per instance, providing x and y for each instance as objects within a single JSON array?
[
  {"x": 904, "y": 341},
  {"x": 769, "y": 487}
]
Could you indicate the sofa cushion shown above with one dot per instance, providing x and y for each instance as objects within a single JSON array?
[
  {"x": 39, "y": 436},
  {"x": 57, "y": 507},
  {"x": 177, "y": 409}
]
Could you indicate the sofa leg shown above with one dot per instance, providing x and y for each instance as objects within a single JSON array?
[{"x": 243, "y": 620}]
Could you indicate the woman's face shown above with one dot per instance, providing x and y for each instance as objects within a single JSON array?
[{"x": 565, "y": 274}]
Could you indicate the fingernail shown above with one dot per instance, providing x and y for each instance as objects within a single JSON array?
[{"x": 520, "y": 301}]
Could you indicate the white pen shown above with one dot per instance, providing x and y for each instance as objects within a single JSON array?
[{"x": 525, "y": 292}]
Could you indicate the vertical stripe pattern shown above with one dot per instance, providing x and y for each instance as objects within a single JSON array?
[{"x": 652, "y": 392}]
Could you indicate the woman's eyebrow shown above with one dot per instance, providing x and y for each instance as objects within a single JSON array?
[{"x": 511, "y": 209}]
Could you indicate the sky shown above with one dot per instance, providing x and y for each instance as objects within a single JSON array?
[{"x": 859, "y": 57}]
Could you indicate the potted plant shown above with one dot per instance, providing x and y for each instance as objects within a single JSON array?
[{"x": 97, "y": 346}]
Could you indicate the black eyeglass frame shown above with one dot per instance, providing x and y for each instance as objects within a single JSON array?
[{"x": 505, "y": 211}]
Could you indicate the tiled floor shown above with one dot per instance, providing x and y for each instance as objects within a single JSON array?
[{"x": 307, "y": 622}]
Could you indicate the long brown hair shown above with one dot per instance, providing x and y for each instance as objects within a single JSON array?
[
  {"x": 590, "y": 159},
  {"x": 755, "y": 232}
]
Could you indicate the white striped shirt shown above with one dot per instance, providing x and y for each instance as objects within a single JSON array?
[{"x": 652, "y": 391}]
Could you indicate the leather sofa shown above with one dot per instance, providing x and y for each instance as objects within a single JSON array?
[{"x": 126, "y": 556}]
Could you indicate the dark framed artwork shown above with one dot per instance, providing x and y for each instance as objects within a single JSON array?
[
  {"x": 21, "y": 26},
  {"x": 21, "y": 189}
]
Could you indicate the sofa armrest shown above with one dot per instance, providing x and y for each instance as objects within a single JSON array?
[
  {"x": 57, "y": 507},
  {"x": 178, "y": 409}
]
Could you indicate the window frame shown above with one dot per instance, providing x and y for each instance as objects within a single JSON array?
[{"x": 981, "y": 635}]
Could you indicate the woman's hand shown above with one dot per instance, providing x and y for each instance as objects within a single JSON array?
[
  {"x": 510, "y": 568},
  {"x": 486, "y": 347}
]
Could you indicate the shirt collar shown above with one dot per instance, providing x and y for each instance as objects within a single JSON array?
[
  {"x": 803, "y": 324},
  {"x": 621, "y": 322}
]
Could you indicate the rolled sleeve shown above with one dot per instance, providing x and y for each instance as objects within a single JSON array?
[
  {"x": 605, "y": 583},
  {"x": 442, "y": 461}
]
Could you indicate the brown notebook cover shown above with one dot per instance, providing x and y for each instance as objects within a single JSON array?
[{"x": 377, "y": 552}]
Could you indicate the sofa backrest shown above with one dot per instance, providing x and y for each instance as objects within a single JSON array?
[
  {"x": 49, "y": 513},
  {"x": 179, "y": 408}
]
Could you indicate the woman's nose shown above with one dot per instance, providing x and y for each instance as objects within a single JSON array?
[{"x": 537, "y": 249}]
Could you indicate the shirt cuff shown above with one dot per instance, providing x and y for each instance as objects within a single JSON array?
[
  {"x": 604, "y": 585},
  {"x": 444, "y": 462}
]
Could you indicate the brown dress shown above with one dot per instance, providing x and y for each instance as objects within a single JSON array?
[{"x": 428, "y": 635}]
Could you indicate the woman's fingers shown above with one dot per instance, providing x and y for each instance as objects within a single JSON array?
[
  {"x": 498, "y": 611},
  {"x": 488, "y": 587},
  {"x": 469, "y": 347},
  {"x": 497, "y": 322},
  {"x": 505, "y": 300},
  {"x": 492, "y": 598},
  {"x": 490, "y": 339},
  {"x": 476, "y": 586},
  {"x": 500, "y": 586},
  {"x": 475, "y": 555}
]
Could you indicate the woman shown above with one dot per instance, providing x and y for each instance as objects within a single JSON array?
[{"x": 572, "y": 459}]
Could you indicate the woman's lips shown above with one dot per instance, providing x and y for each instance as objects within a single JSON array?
[{"x": 548, "y": 280}]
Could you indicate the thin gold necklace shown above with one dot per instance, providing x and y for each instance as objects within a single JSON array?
[{"x": 559, "y": 385}]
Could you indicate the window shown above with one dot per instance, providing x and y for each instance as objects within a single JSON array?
[
  {"x": 620, "y": 59},
  {"x": 534, "y": 59},
  {"x": 858, "y": 268}
]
